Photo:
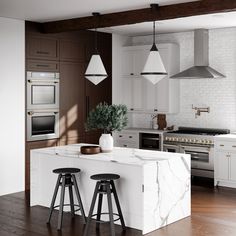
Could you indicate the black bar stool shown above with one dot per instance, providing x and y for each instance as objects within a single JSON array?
[
  {"x": 66, "y": 178},
  {"x": 105, "y": 185}
]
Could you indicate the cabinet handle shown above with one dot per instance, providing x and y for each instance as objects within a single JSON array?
[
  {"x": 130, "y": 136},
  {"x": 234, "y": 146},
  {"x": 124, "y": 145},
  {"x": 42, "y": 52},
  {"x": 155, "y": 109},
  {"x": 222, "y": 145},
  {"x": 228, "y": 155},
  {"x": 120, "y": 136},
  {"x": 131, "y": 73},
  {"x": 42, "y": 65},
  {"x": 131, "y": 109}
]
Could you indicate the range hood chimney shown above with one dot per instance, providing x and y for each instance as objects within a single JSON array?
[{"x": 201, "y": 69}]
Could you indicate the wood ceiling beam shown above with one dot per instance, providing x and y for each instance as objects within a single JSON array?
[{"x": 201, "y": 7}]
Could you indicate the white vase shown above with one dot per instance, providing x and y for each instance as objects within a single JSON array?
[{"x": 106, "y": 142}]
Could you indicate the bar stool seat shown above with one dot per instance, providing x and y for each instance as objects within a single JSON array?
[
  {"x": 105, "y": 177},
  {"x": 66, "y": 171},
  {"x": 105, "y": 185},
  {"x": 66, "y": 178}
]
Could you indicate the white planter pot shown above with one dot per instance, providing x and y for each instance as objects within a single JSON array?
[{"x": 106, "y": 142}]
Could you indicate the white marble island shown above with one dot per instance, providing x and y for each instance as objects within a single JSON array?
[{"x": 154, "y": 188}]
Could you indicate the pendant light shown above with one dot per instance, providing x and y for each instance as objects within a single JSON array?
[
  {"x": 154, "y": 69},
  {"x": 96, "y": 71}
]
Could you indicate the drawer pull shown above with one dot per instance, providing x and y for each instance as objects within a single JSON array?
[
  {"x": 125, "y": 145},
  {"x": 42, "y": 52},
  {"x": 130, "y": 136},
  {"x": 131, "y": 109},
  {"x": 42, "y": 65},
  {"x": 222, "y": 145},
  {"x": 234, "y": 146},
  {"x": 120, "y": 136}
]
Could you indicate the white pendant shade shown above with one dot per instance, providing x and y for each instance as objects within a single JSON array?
[
  {"x": 96, "y": 71},
  {"x": 154, "y": 69}
]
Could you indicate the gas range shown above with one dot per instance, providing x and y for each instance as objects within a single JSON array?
[
  {"x": 193, "y": 136},
  {"x": 199, "y": 143}
]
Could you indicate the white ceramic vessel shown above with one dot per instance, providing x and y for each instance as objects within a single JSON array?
[{"x": 106, "y": 142}]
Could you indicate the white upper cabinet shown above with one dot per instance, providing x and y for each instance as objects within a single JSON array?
[
  {"x": 133, "y": 59},
  {"x": 140, "y": 94}
]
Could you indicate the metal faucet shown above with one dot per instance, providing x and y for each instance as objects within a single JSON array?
[{"x": 199, "y": 110}]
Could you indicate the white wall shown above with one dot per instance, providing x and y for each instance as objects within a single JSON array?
[
  {"x": 12, "y": 105},
  {"x": 219, "y": 95}
]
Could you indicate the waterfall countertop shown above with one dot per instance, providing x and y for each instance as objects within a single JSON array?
[
  {"x": 118, "y": 155},
  {"x": 154, "y": 187}
]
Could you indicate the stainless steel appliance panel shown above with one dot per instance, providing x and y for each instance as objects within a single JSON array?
[
  {"x": 150, "y": 141},
  {"x": 42, "y": 125},
  {"x": 42, "y": 90}
]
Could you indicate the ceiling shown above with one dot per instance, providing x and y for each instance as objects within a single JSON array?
[
  {"x": 51, "y": 10},
  {"x": 220, "y": 20}
]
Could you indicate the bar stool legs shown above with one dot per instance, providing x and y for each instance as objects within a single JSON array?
[
  {"x": 66, "y": 178},
  {"x": 104, "y": 187},
  {"x": 118, "y": 205},
  {"x": 63, "y": 186},
  {"x": 91, "y": 210},
  {"x": 79, "y": 198},
  {"x": 54, "y": 198},
  {"x": 112, "y": 227}
]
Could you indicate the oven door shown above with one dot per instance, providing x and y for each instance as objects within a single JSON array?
[
  {"x": 42, "y": 92},
  {"x": 171, "y": 148},
  {"x": 42, "y": 125},
  {"x": 201, "y": 157}
]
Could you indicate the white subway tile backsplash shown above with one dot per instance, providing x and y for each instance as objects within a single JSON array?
[{"x": 218, "y": 94}]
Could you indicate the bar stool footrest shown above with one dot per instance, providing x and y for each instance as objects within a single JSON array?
[
  {"x": 105, "y": 213},
  {"x": 75, "y": 205}
]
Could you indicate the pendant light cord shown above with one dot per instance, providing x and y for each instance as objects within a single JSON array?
[
  {"x": 96, "y": 23},
  {"x": 154, "y": 30}
]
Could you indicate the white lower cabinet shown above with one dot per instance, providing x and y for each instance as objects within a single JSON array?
[
  {"x": 127, "y": 139},
  {"x": 225, "y": 163}
]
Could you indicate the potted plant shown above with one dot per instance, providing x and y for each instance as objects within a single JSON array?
[{"x": 107, "y": 118}]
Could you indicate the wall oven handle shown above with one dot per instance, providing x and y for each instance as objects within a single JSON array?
[
  {"x": 55, "y": 81},
  {"x": 191, "y": 149},
  {"x": 30, "y": 113}
]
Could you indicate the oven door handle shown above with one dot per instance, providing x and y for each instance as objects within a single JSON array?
[{"x": 203, "y": 149}]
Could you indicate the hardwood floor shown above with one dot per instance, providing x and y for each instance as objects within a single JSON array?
[{"x": 213, "y": 214}]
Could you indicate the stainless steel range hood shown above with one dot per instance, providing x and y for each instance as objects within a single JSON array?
[{"x": 201, "y": 69}]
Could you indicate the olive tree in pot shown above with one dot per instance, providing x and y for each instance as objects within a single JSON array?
[{"x": 107, "y": 118}]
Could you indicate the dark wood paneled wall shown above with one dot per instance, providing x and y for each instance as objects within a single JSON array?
[{"x": 69, "y": 54}]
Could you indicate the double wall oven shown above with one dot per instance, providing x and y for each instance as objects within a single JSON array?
[
  {"x": 42, "y": 105},
  {"x": 197, "y": 142}
]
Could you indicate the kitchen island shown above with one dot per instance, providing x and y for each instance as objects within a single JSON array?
[{"x": 154, "y": 188}]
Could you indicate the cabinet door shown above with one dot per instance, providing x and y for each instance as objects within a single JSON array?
[
  {"x": 127, "y": 63},
  {"x": 72, "y": 51},
  {"x": 127, "y": 93},
  {"x": 222, "y": 165},
  {"x": 133, "y": 93},
  {"x": 137, "y": 94},
  {"x": 72, "y": 102},
  {"x": 42, "y": 47},
  {"x": 232, "y": 166},
  {"x": 139, "y": 60},
  {"x": 150, "y": 94}
]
